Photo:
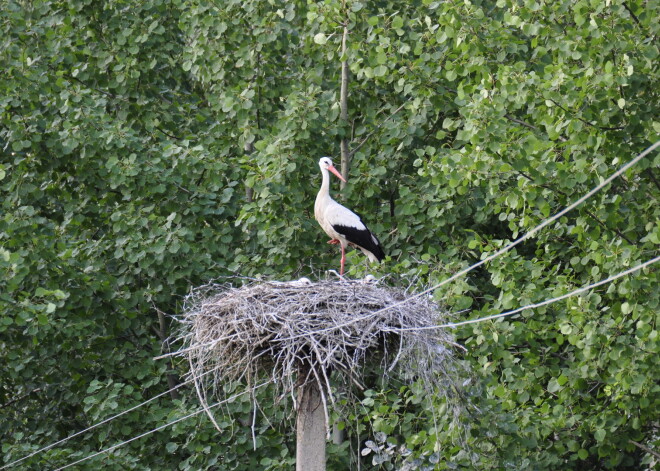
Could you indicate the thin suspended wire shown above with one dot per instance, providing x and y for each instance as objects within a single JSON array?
[
  {"x": 161, "y": 427},
  {"x": 105, "y": 421},
  {"x": 433, "y": 288},
  {"x": 449, "y": 325},
  {"x": 533, "y": 306},
  {"x": 503, "y": 250}
]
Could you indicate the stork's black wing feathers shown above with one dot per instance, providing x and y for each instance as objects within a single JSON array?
[{"x": 363, "y": 238}]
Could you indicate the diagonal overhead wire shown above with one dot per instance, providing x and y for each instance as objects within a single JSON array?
[
  {"x": 161, "y": 427},
  {"x": 535, "y": 305},
  {"x": 545, "y": 223},
  {"x": 98, "y": 424},
  {"x": 506, "y": 248},
  {"x": 496, "y": 254}
]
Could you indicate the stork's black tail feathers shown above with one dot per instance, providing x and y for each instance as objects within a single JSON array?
[{"x": 363, "y": 238}]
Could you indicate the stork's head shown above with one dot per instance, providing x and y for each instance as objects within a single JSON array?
[{"x": 326, "y": 164}]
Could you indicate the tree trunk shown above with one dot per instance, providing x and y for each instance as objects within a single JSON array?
[
  {"x": 249, "y": 192},
  {"x": 343, "y": 107},
  {"x": 172, "y": 380},
  {"x": 310, "y": 429}
]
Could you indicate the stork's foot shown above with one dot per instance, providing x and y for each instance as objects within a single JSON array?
[{"x": 333, "y": 242}]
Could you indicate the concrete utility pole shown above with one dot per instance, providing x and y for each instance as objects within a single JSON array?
[{"x": 310, "y": 429}]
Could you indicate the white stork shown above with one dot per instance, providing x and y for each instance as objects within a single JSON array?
[{"x": 342, "y": 225}]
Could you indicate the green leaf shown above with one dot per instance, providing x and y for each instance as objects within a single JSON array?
[
  {"x": 463, "y": 115},
  {"x": 397, "y": 22},
  {"x": 599, "y": 435},
  {"x": 553, "y": 385}
]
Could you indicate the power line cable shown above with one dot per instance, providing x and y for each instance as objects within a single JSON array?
[
  {"x": 105, "y": 421},
  {"x": 533, "y": 306},
  {"x": 442, "y": 283},
  {"x": 161, "y": 427},
  {"x": 196, "y": 347},
  {"x": 453, "y": 324},
  {"x": 503, "y": 250}
]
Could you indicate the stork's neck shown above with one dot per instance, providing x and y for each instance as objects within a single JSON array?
[{"x": 324, "y": 192}]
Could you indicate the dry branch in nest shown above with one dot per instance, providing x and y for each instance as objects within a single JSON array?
[{"x": 301, "y": 331}]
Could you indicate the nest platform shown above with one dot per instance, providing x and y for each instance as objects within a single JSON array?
[{"x": 300, "y": 331}]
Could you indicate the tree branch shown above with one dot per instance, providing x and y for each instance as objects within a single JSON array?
[
  {"x": 649, "y": 172},
  {"x": 522, "y": 123},
  {"x": 343, "y": 104},
  {"x": 591, "y": 214},
  {"x": 249, "y": 191},
  {"x": 602, "y": 128},
  {"x": 634, "y": 17},
  {"x": 363, "y": 141},
  {"x": 172, "y": 380},
  {"x": 645, "y": 448},
  {"x": 19, "y": 398},
  {"x": 158, "y": 128},
  {"x": 86, "y": 85}
]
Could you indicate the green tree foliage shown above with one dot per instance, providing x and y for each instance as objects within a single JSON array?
[{"x": 125, "y": 180}]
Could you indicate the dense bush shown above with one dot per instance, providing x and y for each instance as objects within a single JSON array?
[{"x": 149, "y": 146}]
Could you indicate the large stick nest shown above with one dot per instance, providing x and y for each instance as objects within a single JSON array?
[{"x": 301, "y": 331}]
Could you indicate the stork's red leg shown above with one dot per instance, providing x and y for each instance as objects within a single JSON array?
[
  {"x": 333, "y": 242},
  {"x": 343, "y": 259}
]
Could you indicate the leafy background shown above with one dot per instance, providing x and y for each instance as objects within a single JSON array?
[{"x": 151, "y": 146}]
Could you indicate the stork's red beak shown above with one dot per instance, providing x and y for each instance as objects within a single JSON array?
[{"x": 337, "y": 174}]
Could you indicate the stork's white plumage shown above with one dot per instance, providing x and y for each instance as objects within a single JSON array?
[{"x": 342, "y": 225}]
